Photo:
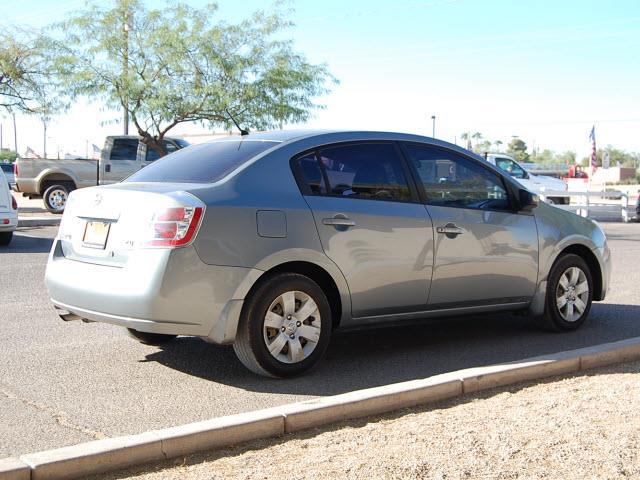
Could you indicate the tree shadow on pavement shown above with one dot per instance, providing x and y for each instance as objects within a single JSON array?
[{"x": 364, "y": 359}]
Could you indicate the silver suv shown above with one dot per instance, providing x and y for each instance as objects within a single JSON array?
[{"x": 271, "y": 241}]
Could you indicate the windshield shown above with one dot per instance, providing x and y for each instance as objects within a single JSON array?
[{"x": 204, "y": 163}]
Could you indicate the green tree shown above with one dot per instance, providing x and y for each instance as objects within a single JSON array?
[
  {"x": 8, "y": 156},
  {"x": 518, "y": 150},
  {"x": 616, "y": 156},
  {"x": 27, "y": 76},
  {"x": 183, "y": 64},
  {"x": 498, "y": 144}
]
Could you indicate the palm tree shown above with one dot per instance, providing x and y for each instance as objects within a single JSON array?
[{"x": 498, "y": 143}]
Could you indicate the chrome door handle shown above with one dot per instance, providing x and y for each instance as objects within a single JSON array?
[
  {"x": 339, "y": 221},
  {"x": 450, "y": 229}
]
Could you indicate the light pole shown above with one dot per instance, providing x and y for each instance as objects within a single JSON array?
[{"x": 433, "y": 126}]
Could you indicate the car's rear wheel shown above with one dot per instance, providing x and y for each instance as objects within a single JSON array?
[
  {"x": 55, "y": 198},
  {"x": 569, "y": 294},
  {"x": 5, "y": 238},
  {"x": 150, "y": 338},
  {"x": 285, "y": 326}
]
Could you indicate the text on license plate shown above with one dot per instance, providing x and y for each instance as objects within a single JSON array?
[{"x": 96, "y": 234}]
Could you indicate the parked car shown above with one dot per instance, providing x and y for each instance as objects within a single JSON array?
[
  {"x": 8, "y": 212},
  {"x": 271, "y": 241},
  {"x": 7, "y": 169},
  {"x": 539, "y": 184},
  {"x": 638, "y": 209},
  {"x": 53, "y": 179}
]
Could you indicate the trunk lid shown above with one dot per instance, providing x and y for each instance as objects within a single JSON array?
[{"x": 106, "y": 225}]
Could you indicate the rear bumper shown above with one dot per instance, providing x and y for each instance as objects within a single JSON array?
[
  {"x": 13, "y": 222},
  {"x": 157, "y": 291}
]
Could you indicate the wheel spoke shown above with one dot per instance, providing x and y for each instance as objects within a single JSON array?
[
  {"x": 295, "y": 350},
  {"x": 575, "y": 273},
  {"x": 579, "y": 305},
  {"x": 309, "y": 332},
  {"x": 561, "y": 302},
  {"x": 289, "y": 303},
  {"x": 273, "y": 320},
  {"x": 569, "y": 311},
  {"x": 564, "y": 281},
  {"x": 278, "y": 344},
  {"x": 582, "y": 288},
  {"x": 308, "y": 309}
]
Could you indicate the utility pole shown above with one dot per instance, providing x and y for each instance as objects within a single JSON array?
[
  {"x": 433, "y": 129},
  {"x": 44, "y": 146},
  {"x": 15, "y": 134},
  {"x": 125, "y": 65},
  {"x": 1, "y": 146}
]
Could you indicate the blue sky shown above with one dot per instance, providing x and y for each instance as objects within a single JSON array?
[{"x": 543, "y": 70}]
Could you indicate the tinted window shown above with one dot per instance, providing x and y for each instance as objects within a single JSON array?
[
  {"x": 372, "y": 170},
  {"x": 124, "y": 149},
  {"x": 7, "y": 167},
  {"x": 451, "y": 180},
  {"x": 204, "y": 163},
  {"x": 312, "y": 175},
  {"x": 152, "y": 155}
]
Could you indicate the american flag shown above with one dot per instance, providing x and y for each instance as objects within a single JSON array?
[{"x": 594, "y": 158}]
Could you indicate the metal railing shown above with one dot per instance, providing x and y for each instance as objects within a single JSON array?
[{"x": 583, "y": 204}]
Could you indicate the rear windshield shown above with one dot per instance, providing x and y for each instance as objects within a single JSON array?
[
  {"x": 204, "y": 163},
  {"x": 7, "y": 167}
]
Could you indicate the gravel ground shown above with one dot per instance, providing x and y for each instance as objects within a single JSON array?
[{"x": 584, "y": 426}]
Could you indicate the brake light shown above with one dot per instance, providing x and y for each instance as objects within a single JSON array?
[
  {"x": 14, "y": 204},
  {"x": 15, "y": 169},
  {"x": 174, "y": 227}
]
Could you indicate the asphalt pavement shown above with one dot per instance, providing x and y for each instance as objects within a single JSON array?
[{"x": 66, "y": 383}]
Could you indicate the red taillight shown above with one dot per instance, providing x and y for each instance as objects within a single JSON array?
[
  {"x": 14, "y": 204},
  {"x": 175, "y": 227},
  {"x": 15, "y": 169}
]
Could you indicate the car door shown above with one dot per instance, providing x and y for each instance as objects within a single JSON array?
[
  {"x": 371, "y": 224},
  {"x": 123, "y": 160},
  {"x": 485, "y": 252}
]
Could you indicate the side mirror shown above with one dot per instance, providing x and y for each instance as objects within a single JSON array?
[{"x": 527, "y": 200}]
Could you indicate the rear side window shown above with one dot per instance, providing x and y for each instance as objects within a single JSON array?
[
  {"x": 124, "y": 149},
  {"x": 371, "y": 171},
  {"x": 204, "y": 163},
  {"x": 152, "y": 155}
]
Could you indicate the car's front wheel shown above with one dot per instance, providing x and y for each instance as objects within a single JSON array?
[
  {"x": 569, "y": 294},
  {"x": 285, "y": 326}
]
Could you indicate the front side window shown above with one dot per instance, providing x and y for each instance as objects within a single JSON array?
[
  {"x": 370, "y": 171},
  {"x": 451, "y": 180},
  {"x": 511, "y": 167},
  {"x": 124, "y": 149}
]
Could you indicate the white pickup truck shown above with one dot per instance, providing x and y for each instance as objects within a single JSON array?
[
  {"x": 53, "y": 179},
  {"x": 539, "y": 184}
]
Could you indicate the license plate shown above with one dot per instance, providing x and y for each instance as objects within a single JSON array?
[{"x": 96, "y": 234}]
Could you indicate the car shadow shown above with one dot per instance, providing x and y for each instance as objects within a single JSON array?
[
  {"x": 27, "y": 244},
  {"x": 364, "y": 359}
]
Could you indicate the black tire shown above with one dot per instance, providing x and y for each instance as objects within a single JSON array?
[
  {"x": 553, "y": 319},
  {"x": 250, "y": 343},
  {"x": 55, "y": 198},
  {"x": 150, "y": 338},
  {"x": 5, "y": 238}
]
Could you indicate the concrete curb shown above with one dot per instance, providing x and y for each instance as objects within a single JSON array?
[
  {"x": 38, "y": 221},
  {"x": 116, "y": 453}
]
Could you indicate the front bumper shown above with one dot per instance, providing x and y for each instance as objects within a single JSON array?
[{"x": 157, "y": 290}]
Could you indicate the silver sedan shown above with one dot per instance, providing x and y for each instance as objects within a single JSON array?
[{"x": 271, "y": 241}]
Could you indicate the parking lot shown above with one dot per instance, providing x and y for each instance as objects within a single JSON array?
[{"x": 68, "y": 383}]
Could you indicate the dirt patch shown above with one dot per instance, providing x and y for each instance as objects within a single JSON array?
[{"x": 584, "y": 426}]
